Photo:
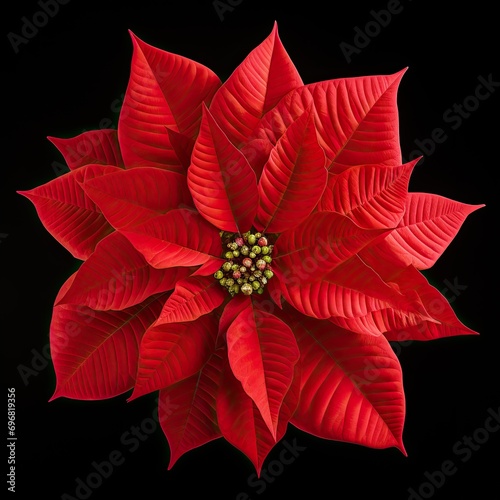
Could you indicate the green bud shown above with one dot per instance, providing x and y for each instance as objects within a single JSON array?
[
  {"x": 265, "y": 250},
  {"x": 218, "y": 275},
  {"x": 244, "y": 250},
  {"x": 255, "y": 285},
  {"x": 226, "y": 266},
  {"x": 267, "y": 258},
  {"x": 256, "y": 249},
  {"x": 222, "y": 281},
  {"x": 229, "y": 282},
  {"x": 235, "y": 267},
  {"x": 252, "y": 255},
  {"x": 236, "y": 253},
  {"x": 240, "y": 281},
  {"x": 228, "y": 255},
  {"x": 233, "y": 245},
  {"x": 251, "y": 278},
  {"x": 258, "y": 235},
  {"x": 268, "y": 274},
  {"x": 243, "y": 269},
  {"x": 251, "y": 239},
  {"x": 260, "y": 291},
  {"x": 234, "y": 288}
]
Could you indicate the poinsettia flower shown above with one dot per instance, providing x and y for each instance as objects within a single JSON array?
[{"x": 249, "y": 249}]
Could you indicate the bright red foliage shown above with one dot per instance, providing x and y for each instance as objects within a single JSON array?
[{"x": 304, "y": 187}]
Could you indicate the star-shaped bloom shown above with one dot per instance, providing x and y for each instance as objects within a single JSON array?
[{"x": 249, "y": 250}]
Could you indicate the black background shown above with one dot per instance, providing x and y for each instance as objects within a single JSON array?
[{"x": 71, "y": 75}]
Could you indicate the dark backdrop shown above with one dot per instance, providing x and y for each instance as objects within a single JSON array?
[{"x": 69, "y": 74}]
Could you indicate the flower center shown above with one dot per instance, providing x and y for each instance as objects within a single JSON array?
[{"x": 248, "y": 263}]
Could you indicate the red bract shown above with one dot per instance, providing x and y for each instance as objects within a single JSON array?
[{"x": 249, "y": 250}]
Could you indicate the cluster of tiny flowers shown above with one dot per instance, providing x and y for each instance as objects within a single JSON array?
[{"x": 248, "y": 265}]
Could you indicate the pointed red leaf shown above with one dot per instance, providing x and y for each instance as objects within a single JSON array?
[
  {"x": 351, "y": 385},
  {"x": 445, "y": 322},
  {"x": 427, "y": 228},
  {"x": 94, "y": 146},
  {"x": 95, "y": 352},
  {"x": 64, "y": 288},
  {"x": 256, "y": 85},
  {"x": 232, "y": 309},
  {"x": 222, "y": 183},
  {"x": 408, "y": 312},
  {"x": 262, "y": 354},
  {"x": 209, "y": 268},
  {"x": 178, "y": 238},
  {"x": 320, "y": 244},
  {"x": 373, "y": 196},
  {"x": 131, "y": 197},
  {"x": 193, "y": 297},
  {"x": 193, "y": 423},
  {"x": 352, "y": 289},
  {"x": 273, "y": 288},
  {"x": 172, "y": 352},
  {"x": 296, "y": 161},
  {"x": 117, "y": 276},
  {"x": 165, "y": 90},
  {"x": 356, "y": 119},
  {"x": 68, "y": 214},
  {"x": 435, "y": 320},
  {"x": 241, "y": 422},
  {"x": 182, "y": 145},
  {"x": 257, "y": 153}
]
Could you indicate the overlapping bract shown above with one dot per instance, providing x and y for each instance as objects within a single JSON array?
[{"x": 315, "y": 167}]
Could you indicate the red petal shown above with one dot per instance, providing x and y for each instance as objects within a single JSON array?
[
  {"x": 241, "y": 422},
  {"x": 428, "y": 226},
  {"x": 351, "y": 386},
  {"x": 256, "y": 85},
  {"x": 172, "y": 352},
  {"x": 444, "y": 324},
  {"x": 356, "y": 119},
  {"x": 64, "y": 288},
  {"x": 426, "y": 315},
  {"x": 221, "y": 181},
  {"x": 117, "y": 276},
  {"x": 233, "y": 308},
  {"x": 371, "y": 195},
  {"x": 320, "y": 244},
  {"x": 68, "y": 214},
  {"x": 131, "y": 197},
  {"x": 209, "y": 268},
  {"x": 257, "y": 153},
  {"x": 165, "y": 90},
  {"x": 262, "y": 353},
  {"x": 296, "y": 161},
  {"x": 187, "y": 410},
  {"x": 274, "y": 290},
  {"x": 95, "y": 352},
  {"x": 182, "y": 145},
  {"x": 178, "y": 238},
  {"x": 352, "y": 289},
  {"x": 95, "y": 146},
  {"x": 193, "y": 297}
]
